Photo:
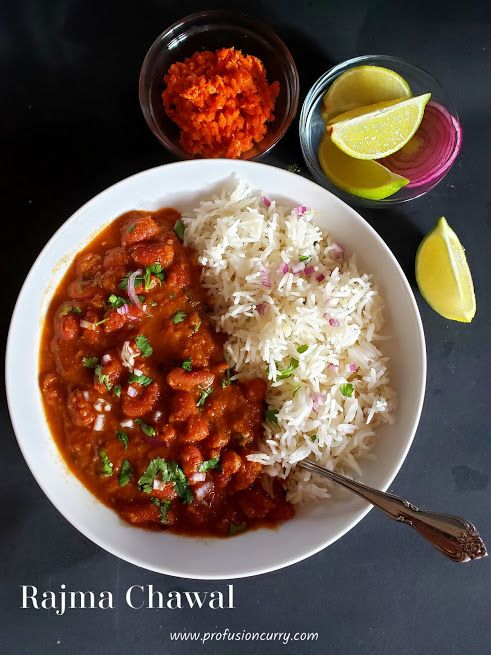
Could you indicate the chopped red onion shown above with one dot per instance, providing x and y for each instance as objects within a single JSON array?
[
  {"x": 309, "y": 270},
  {"x": 298, "y": 267},
  {"x": 132, "y": 392},
  {"x": 266, "y": 201},
  {"x": 320, "y": 278},
  {"x": 197, "y": 477},
  {"x": 123, "y": 310},
  {"x": 87, "y": 325},
  {"x": 333, "y": 322},
  {"x": 301, "y": 210},
  {"x": 261, "y": 308},
  {"x": 159, "y": 485},
  {"x": 352, "y": 367},
  {"x": 265, "y": 279},
  {"x": 332, "y": 368},
  {"x": 99, "y": 423},
  {"x": 282, "y": 269},
  {"x": 153, "y": 440},
  {"x": 127, "y": 423},
  {"x": 202, "y": 490},
  {"x": 106, "y": 359},
  {"x": 133, "y": 296},
  {"x": 317, "y": 400}
]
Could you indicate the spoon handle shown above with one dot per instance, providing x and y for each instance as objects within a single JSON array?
[{"x": 454, "y": 537}]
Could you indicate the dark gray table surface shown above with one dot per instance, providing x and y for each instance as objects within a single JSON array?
[{"x": 71, "y": 126}]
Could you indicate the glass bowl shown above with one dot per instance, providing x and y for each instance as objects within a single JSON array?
[
  {"x": 312, "y": 126},
  {"x": 210, "y": 30}
]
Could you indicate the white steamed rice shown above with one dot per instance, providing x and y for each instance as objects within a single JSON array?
[{"x": 244, "y": 241}]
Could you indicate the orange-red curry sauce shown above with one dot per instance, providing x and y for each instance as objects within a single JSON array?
[{"x": 138, "y": 395}]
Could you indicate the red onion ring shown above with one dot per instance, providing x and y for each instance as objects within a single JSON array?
[
  {"x": 131, "y": 289},
  {"x": 431, "y": 151}
]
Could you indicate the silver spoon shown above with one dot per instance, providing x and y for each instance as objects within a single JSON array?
[{"x": 454, "y": 537}]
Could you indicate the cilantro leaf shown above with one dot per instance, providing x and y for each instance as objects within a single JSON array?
[
  {"x": 271, "y": 416},
  {"x": 209, "y": 464},
  {"x": 169, "y": 472},
  {"x": 149, "y": 430},
  {"x": 163, "y": 506},
  {"x": 115, "y": 301},
  {"x": 313, "y": 437},
  {"x": 131, "y": 228},
  {"x": 140, "y": 379},
  {"x": 102, "y": 378},
  {"x": 90, "y": 362},
  {"x": 235, "y": 528},
  {"x": 156, "y": 270},
  {"x": 123, "y": 437},
  {"x": 179, "y": 229},
  {"x": 187, "y": 365},
  {"x": 178, "y": 317},
  {"x": 70, "y": 309},
  {"x": 106, "y": 464},
  {"x": 304, "y": 258},
  {"x": 125, "y": 473},
  {"x": 302, "y": 349},
  {"x": 143, "y": 345},
  {"x": 117, "y": 390},
  {"x": 288, "y": 371},
  {"x": 204, "y": 395},
  {"x": 347, "y": 389}
]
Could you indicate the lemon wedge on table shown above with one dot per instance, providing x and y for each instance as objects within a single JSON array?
[
  {"x": 361, "y": 86},
  {"x": 378, "y": 130},
  {"x": 443, "y": 274},
  {"x": 361, "y": 177}
]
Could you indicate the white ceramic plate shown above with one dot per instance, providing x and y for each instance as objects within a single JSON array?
[{"x": 313, "y": 528}]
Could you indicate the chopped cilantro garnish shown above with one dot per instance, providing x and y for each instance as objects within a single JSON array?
[
  {"x": 125, "y": 473},
  {"x": 117, "y": 390},
  {"x": 123, "y": 437},
  {"x": 226, "y": 379},
  {"x": 102, "y": 378},
  {"x": 235, "y": 528},
  {"x": 288, "y": 371},
  {"x": 304, "y": 258},
  {"x": 143, "y": 345},
  {"x": 179, "y": 229},
  {"x": 70, "y": 309},
  {"x": 209, "y": 464},
  {"x": 178, "y": 317},
  {"x": 163, "y": 506},
  {"x": 169, "y": 472},
  {"x": 204, "y": 395},
  {"x": 347, "y": 389},
  {"x": 302, "y": 349},
  {"x": 115, "y": 301},
  {"x": 271, "y": 416},
  {"x": 90, "y": 362},
  {"x": 156, "y": 270},
  {"x": 106, "y": 464},
  {"x": 140, "y": 379},
  {"x": 149, "y": 430},
  {"x": 313, "y": 437},
  {"x": 187, "y": 364},
  {"x": 131, "y": 228}
]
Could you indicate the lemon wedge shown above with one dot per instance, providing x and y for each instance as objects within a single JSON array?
[
  {"x": 378, "y": 130},
  {"x": 443, "y": 274},
  {"x": 361, "y": 177},
  {"x": 361, "y": 86}
]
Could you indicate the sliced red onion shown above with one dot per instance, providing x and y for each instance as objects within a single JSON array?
[
  {"x": 333, "y": 322},
  {"x": 301, "y": 210},
  {"x": 261, "y": 308},
  {"x": 282, "y": 269},
  {"x": 265, "y": 279},
  {"x": 123, "y": 310},
  {"x": 87, "y": 325},
  {"x": 132, "y": 392},
  {"x": 317, "y": 400},
  {"x": 431, "y": 151},
  {"x": 203, "y": 490},
  {"x": 266, "y": 201},
  {"x": 320, "y": 278},
  {"x": 352, "y": 367},
  {"x": 197, "y": 477},
  {"x": 106, "y": 359},
  {"x": 309, "y": 270},
  {"x": 298, "y": 268},
  {"x": 133, "y": 296}
]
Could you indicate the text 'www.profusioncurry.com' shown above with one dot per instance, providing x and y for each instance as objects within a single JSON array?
[{"x": 229, "y": 635}]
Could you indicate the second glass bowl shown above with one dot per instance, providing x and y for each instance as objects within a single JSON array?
[{"x": 312, "y": 125}]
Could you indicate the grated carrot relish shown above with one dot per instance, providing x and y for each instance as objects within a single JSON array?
[{"x": 221, "y": 102}]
